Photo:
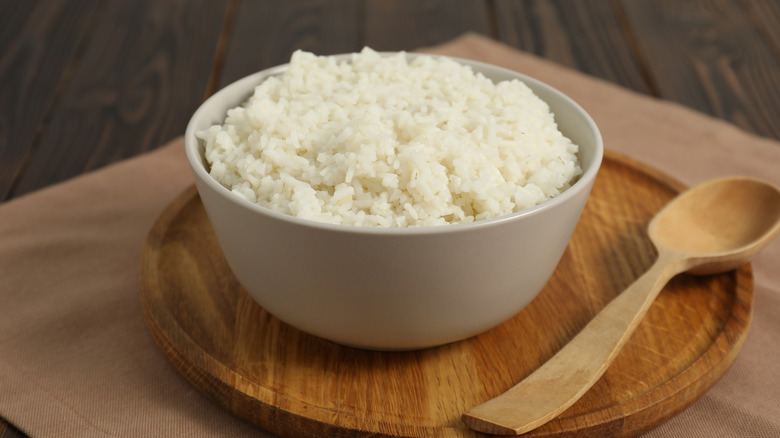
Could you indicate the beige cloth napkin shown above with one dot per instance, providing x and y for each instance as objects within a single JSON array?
[{"x": 76, "y": 358}]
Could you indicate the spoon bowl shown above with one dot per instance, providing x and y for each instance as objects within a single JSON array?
[
  {"x": 715, "y": 227},
  {"x": 720, "y": 224}
]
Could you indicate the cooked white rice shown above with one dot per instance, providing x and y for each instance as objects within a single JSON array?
[{"x": 379, "y": 141}]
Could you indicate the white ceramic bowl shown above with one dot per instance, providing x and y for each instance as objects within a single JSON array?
[{"x": 402, "y": 288}]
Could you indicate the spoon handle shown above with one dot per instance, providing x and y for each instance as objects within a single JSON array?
[{"x": 563, "y": 379}]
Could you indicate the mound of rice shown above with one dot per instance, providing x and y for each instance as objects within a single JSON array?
[{"x": 379, "y": 141}]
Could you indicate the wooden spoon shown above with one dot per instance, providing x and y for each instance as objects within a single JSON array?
[{"x": 712, "y": 228}]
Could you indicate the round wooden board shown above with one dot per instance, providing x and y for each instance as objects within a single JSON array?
[{"x": 294, "y": 384}]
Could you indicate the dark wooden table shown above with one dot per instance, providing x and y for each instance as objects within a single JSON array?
[{"x": 85, "y": 83}]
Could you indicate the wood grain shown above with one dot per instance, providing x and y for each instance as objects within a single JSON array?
[
  {"x": 40, "y": 42},
  {"x": 266, "y": 33},
  {"x": 708, "y": 55},
  {"x": 766, "y": 16},
  {"x": 587, "y": 35},
  {"x": 294, "y": 384},
  {"x": 409, "y": 24},
  {"x": 141, "y": 76}
]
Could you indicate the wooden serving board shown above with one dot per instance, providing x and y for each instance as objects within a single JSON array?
[{"x": 294, "y": 384}]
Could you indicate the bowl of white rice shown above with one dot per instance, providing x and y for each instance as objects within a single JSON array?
[{"x": 392, "y": 200}]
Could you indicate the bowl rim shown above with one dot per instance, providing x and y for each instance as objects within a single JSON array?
[{"x": 197, "y": 165}]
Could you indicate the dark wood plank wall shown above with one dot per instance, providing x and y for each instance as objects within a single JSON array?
[
  {"x": 264, "y": 34},
  {"x": 123, "y": 77},
  {"x": 39, "y": 44},
  {"x": 422, "y": 23},
  {"x": 588, "y": 35},
  {"x": 713, "y": 57},
  {"x": 140, "y": 69}
]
